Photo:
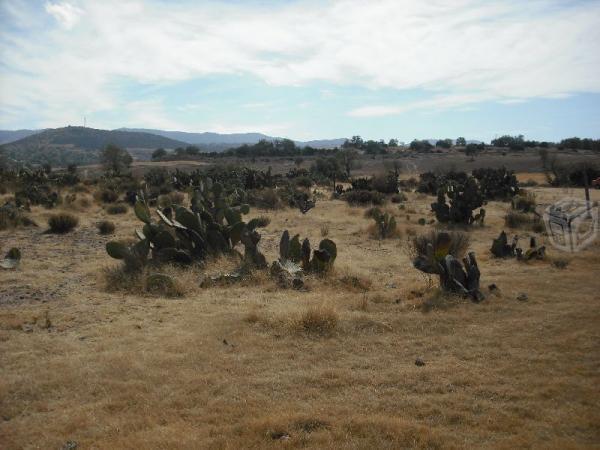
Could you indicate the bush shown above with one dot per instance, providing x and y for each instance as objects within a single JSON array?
[
  {"x": 359, "y": 197},
  {"x": 13, "y": 217},
  {"x": 318, "y": 320},
  {"x": 62, "y": 223},
  {"x": 106, "y": 227},
  {"x": 524, "y": 201},
  {"x": 262, "y": 221},
  {"x": 496, "y": 184},
  {"x": 108, "y": 196},
  {"x": 399, "y": 198},
  {"x": 372, "y": 212},
  {"x": 459, "y": 242},
  {"x": 264, "y": 199},
  {"x": 515, "y": 219},
  {"x": 528, "y": 183},
  {"x": 116, "y": 209},
  {"x": 303, "y": 182},
  {"x": 386, "y": 184}
]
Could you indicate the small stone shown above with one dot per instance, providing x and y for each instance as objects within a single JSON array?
[
  {"x": 390, "y": 285},
  {"x": 522, "y": 297},
  {"x": 27, "y": 328},
  {"x": 492, "y": 287},
  {"x": 419, "y": 362},
  {"x": 70, "y": 445}
]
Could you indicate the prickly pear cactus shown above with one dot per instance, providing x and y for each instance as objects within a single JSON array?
[
  {"x": 12, "y": 259},
  {"x": 454, "y": 276}
]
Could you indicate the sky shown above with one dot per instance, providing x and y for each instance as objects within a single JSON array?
[{"x": 305, "y": 69}]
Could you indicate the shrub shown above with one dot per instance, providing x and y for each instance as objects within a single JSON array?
[
  {"x": 108, "y": 196},
  {"x": 372, "y": 212},
  {"x": 458, "y": 244},
  {"x": 359, "y": 197},
  {"x": 264, "y": 199},
  {"x": 106, "y": 227},
  {"x": 119, "y": 208},
  {"x": 62, "y": 223},
  {"x": 262, "y": 221},
  {"x": 386, "y": 184},
  {"x": 320, "y": 320},
  {"x": 496, "y": 184},
  {"x": 528, "y": 183},
  {"x": 515, "y": 219},
  {"x": 177, "y": 198},
  {"x": 399, "y": 198},
  {"x": 524, "y": 201},
  {"x": 13, "y": 217},
  {"x": 384, "y": 226},
  {"x": 303, "y": 182}
]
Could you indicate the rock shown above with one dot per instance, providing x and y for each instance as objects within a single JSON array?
[
  {"x": 522, "y": 297},
  {"x": 390, "y": 285},
  {"x": 492, "y": 287},
  {"x": 419, "y": 362},
  {"x": 27, "y": 328},
  {"x": 70, "y": 445}
]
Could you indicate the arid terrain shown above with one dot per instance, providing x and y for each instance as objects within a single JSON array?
[{"x": 239, "y": 366}]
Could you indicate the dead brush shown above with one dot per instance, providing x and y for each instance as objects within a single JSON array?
[
  {"x": 62, "y": 223},
  {"x": 458, "y": 243},
  {"x": 317, "y": 320},
  {"x": 171, "y": 282}
]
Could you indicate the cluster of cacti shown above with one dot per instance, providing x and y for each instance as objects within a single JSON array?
[
  {"x": 182, "y": 236},
  {"x": 501, "y": 248},
  {"x": 430, "y": 183},
  {"x": 496, "y": 184},
  {"x": 229, "y": 177},
  {"x": 12, "y": 216},
  {"x": 463, "y": 198},
  {"x": 385, "y": 223},
  {"x": 296, "y": 258},
  {"x": 11, "y": 259},
  {"x": 436, "y": 258}
]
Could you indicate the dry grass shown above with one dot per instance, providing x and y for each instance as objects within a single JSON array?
[{"x": 254, "y": 366}]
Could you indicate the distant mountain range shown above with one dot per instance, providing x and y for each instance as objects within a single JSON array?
[
  {"x": 212, "y": 140},
  {"x": 7, "y": 136},
  {"x": 81, "y": 144},
  {"x": 61, "y": 146},
  {"x": 207, "y": 141}
]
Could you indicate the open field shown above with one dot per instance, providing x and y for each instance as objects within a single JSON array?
[
  {"x": 239, "y": 367},
  {"x": 527, "y": 161}
]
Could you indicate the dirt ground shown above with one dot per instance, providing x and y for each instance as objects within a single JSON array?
[{"x": 229, "y": 367}]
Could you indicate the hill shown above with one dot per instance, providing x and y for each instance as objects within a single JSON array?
[
  {"x": 7, "y": 136},
  {"x": 80, "y": 145},
  {"x": 218, "y": 142}
]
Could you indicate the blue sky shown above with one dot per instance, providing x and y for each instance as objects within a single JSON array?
[{"x": 305, "y": 69}]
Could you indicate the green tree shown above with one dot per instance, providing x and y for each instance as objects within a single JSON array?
[
  {"x": 444, "y": 143},
  {"x": 159, "y": 153},
  {"x": 348, "y": 160},
  {"x": 461, "y": 142},
  {"x": 115, "y": 159},
  {"x": 394, "y": 165}
]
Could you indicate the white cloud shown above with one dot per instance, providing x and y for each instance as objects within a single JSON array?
[
  {"x": 462, "y": 51},
  {"x": 65, "y": 13}
]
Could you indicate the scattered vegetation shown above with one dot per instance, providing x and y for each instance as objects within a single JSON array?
[
  {"x": 62, "y": 223},
  {"x": 106, "y": 227}
]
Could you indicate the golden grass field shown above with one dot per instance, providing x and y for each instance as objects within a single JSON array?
[{"x": 229, "y": 367}]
